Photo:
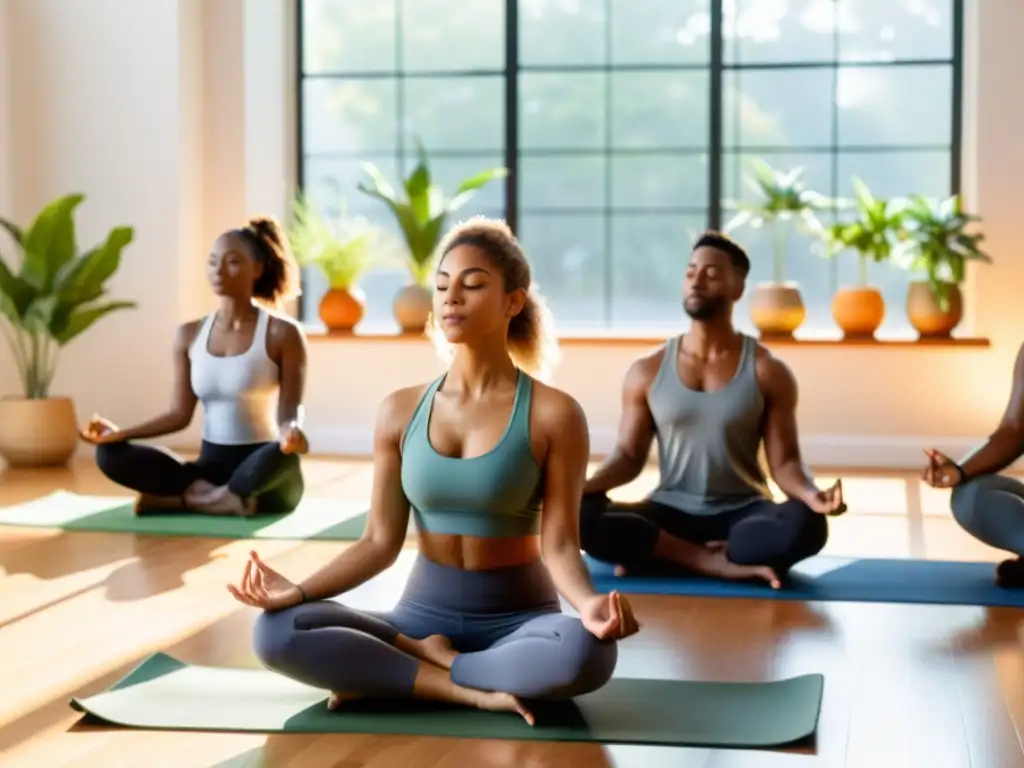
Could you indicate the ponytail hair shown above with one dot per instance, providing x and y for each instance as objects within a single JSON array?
[
  {"x": 532, "y": 344},
  {"x": 279, "y": 280}
]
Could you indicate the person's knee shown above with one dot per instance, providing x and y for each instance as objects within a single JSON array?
[
  {"x": 966, "y": 501},
  {"x": 110, "y": 459},
  {"x": 587, "y": 662},
  {"x": 274, "y": 636},
  {"x": 812, "y": 528}
]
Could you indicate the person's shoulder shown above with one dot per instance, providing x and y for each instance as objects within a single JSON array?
[
  {"x": 282, "y": 327},
  {"x": 773, "y": 374},
  {"x": 643, "y": 370},
  {"x": 185, "y": 334},
  {"x": 397, "y": 408},
  {"x": 555, "y": 406}
]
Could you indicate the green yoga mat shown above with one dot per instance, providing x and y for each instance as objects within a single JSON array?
[
  {"x": 164, "y": 693},
  {"x": 328, "y": 519}
]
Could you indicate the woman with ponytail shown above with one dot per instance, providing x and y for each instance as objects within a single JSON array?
[
  {"x": 246, "y": 364},
  {"x": 490, "y": 462}
]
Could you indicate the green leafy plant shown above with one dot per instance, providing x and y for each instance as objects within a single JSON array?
[
  {"x": 934, "y": 241},
  {"x": 425, "y": 208},
  {"x": 873, "y": 235},
  {"x": 783, "y": 203},
  {"x": 343, "y": 247},
  {"x": 58, "y": 292}
]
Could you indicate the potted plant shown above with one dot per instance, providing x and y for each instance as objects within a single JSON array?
[
  {"x": 422, "y": 216},
  {"x": 57, "y": 294},
  {"x": 934, "y": 241},
  {"x": 783, "y": 205},
  {"x": 343, "y": 248},
  {"x": 860, "y": 309}
]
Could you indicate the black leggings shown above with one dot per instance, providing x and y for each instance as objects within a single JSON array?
[
  {"x": 256, "y": 470},
  {"x": 777, "y": 535}
]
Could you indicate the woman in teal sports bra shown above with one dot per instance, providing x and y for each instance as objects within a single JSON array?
[{"x": 491, "y": 464}]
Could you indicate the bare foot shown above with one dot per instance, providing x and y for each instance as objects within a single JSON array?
[
  {"x": 437, "y": 649},
  {"x": 503, "y": 702},
  {"x": 223, "y": 502},
  {"x": 335, "y": 700},
  {"x": 201, "y": 492}
]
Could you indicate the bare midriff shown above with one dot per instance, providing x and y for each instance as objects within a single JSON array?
[{"x": 475, "y": 553}]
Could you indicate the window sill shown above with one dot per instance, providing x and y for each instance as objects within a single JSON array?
[{"x": 316, "y": 334}]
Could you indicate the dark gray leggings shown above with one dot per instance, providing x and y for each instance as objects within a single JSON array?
[
  {"x": 991, "y": 508},
  {"x": 257, "y": 470},
  {"x": 506, "y": 624}
]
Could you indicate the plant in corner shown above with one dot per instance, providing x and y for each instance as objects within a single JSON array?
[
  {"x": 860, "y": 309},
  {"x": 343, "y": 248},
  {"x": 783, "y": 205},
  {"x": 57, "y": 294},
  {"x": 934, "y": 241},
  {"x": 422, "y": 217}
]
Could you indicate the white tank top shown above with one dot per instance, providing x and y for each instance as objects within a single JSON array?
[{"x": 239, "y": 393}]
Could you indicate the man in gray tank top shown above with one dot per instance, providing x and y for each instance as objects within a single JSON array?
[{"x": 710, "y": 397}]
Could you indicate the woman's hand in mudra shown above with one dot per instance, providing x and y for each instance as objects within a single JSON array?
[
  {"x": 293, "y": 440},
  {"x": 263, "y": 587},
  {"x": 609, "y": 617}
]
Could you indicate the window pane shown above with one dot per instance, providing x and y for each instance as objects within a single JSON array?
[
  {"x": 348, "y": 36},
  {"x": 450, "y": 172},
  {"x": 460, "y": 113},
  {"x": 758, "y": 31},
  {"x": 561, "y": 110},
  {"x": 883, "y": 30},
  {"x": 649, "y": 253},
  {"x": 550, "y": 181},
  {"x": 559, "y": 33},
  {"x": 895, "y": 174},
  {"x": 736, "y": 166},
  {"x": 777, "y": 108},
  {"x": 660, "y": 181},
  {"x": 331, "y": 181},
  {"x": 895, "y": 105},
  {"x": 660, "y": 31},
  {"x": 444, "y": 34},
  {"x": 567, "y": 255},
  {"x": 349, "y": 115},
  {"x": 659, "y": 110}
]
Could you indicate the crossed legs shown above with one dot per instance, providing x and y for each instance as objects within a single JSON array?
[
  {"x": 773, "y": 534},
  {"x": 243, "y": 479},
  {"x": 991, "y": 508}
]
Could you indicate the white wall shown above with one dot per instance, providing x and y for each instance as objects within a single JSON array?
[
  {"x": 186, "y": 128},
  {"x": 8, "y": 375}
]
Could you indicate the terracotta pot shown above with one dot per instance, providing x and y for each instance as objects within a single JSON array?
[
  {"x": 411, "y": 308},
  {"x": 858, "y": 311},
  {"x": 777, "y": 309},
  {"x": 924, "y": 313},
  {"x": 342, "y": 309},
  {"x": 38, "y": 433}
]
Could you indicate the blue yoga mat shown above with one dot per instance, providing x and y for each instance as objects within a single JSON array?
[{"x": 838, "y": 579}]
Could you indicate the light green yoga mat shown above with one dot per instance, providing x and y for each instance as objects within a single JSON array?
[
  {"x": 164, "y": 693},
  {"x": 329, "y": 519}
]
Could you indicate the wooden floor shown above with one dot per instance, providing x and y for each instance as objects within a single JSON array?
[{"x": 915, "y": 686}]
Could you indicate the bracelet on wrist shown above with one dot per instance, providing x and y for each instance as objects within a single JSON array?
[{"x": 302, "y": 594}]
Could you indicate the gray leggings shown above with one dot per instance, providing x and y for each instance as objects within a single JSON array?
[
  {"x": 505, "y": 623},
  {"x": 991, "y": 508}
]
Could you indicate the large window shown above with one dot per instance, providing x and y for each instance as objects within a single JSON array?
[{"x": 626, "y": 125}]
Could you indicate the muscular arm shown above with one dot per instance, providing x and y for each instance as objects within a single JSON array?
[
  {"x": 565, "y": 469},
  {"x": 293, "y": 375},
  {"x": 781, "y": 441},
  {"x": 183, "y": 401},
  {"x": 636, "y": 433},
  {"x": 385, "y": 532},
  {"x": 1006, "y": 444}
]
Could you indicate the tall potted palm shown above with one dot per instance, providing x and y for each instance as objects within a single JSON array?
[
  {"x": 422, "y": 215},
  {"x": 935, "y": 244},
  {"x": 57, "y": 294},
  {"x": 859, "y": 309},
  {"x": 783, "y": 206}
]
